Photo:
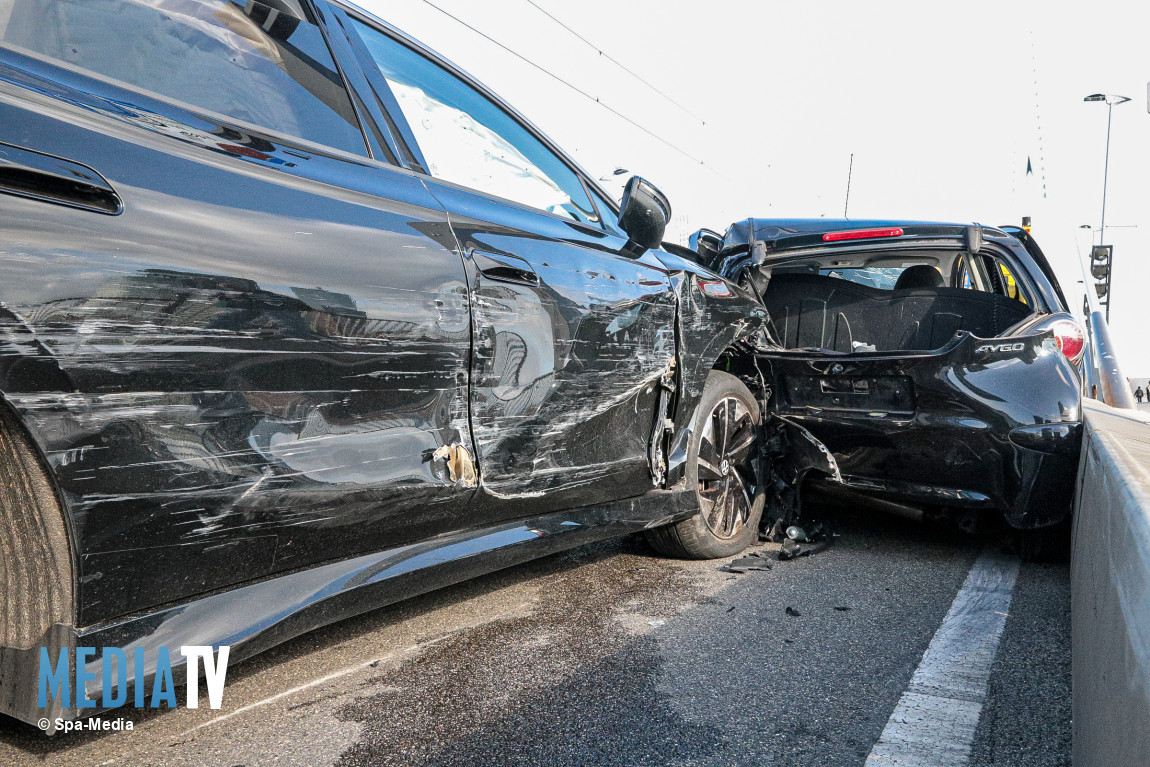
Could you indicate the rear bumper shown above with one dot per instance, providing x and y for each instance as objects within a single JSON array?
[
  {"x": 973, "y": 428},
  {"x": 1032, "y": 488}
]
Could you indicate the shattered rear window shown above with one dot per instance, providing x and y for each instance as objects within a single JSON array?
[{"x": 882, "y": 277}]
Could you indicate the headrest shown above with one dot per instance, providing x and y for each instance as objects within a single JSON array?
[{"x": 919, "y": 276}]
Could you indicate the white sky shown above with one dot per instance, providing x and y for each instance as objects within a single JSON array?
[{"x": 940, "y": 104}]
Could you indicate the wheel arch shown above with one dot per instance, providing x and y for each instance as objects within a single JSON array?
[
  {"x": 716, "y": 321},
  {"x": 37, "y": 555}
]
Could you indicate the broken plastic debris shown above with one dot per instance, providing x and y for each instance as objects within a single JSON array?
[
  {"x": 796, "y": 533},
  {"x": 817, "y": 539},
  {"x": 656, "y": 624},
  {"x": 859, "y": 346},
  {"x": 775, "y": 532},
  {"x": 793, "y": 612},
  {"x": 843, "y": 609},
  {"x": 753, "y": 561}
]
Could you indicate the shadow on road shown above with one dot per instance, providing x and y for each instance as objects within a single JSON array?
[{"x": 606, "y": 654}]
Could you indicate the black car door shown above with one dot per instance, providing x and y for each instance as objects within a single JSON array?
[
  {"x": 571, "y": 336},
  {"x": 238, "y": 335}
]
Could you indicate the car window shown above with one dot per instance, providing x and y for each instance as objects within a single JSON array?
[
  {"x": 882, "y": 277},
  {"x": 261, "y": 63},
  {"x": 1009, "y": 283},
  {"x": 1001, "y": 279},
  {"x": 468, "y": 140},
  {"x": 964, "y": 277}
]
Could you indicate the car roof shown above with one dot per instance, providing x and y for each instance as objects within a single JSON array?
[
  {"x": 775, "y": 231},
  {"x": 784, "y": 235}
]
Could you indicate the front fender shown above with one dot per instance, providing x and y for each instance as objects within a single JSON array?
[{"x": 713, "y": 316}]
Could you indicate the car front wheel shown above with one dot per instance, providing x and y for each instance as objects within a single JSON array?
[{"x": 719, "y": 471}]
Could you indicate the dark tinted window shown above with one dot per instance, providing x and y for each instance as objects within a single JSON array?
[
  {"x": 467, "y": 139},
  {"x": 262, "y": 63}
]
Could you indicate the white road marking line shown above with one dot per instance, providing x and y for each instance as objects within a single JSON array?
[
  {"x": 313, "y": 683},
  {"x": 285, "y": 693},
  {"x": 934, "y": 722}
]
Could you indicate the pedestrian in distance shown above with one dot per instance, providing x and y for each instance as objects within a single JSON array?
[{"x": 1138, "y": 395}]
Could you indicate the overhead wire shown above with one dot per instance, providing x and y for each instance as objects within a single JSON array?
[
  {"x": 615, "y": 61},
  {"x": 1038, "y": 115},
  {"x": 575, "y": 88}
]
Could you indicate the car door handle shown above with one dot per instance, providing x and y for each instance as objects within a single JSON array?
[
  {"x": 39, "y": 176},
  {"x": 504, "y": 268}
]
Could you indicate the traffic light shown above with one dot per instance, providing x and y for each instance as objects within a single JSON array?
[
  {"x": 1100, "y": 266},
  {"x": 1101, "y": 257}
]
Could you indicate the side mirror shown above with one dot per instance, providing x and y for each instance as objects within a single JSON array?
[
  {"x": 706, "y": 243},
  {"x": 643, "y": 215}
]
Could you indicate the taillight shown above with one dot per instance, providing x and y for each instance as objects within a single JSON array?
[
  {"x": 1071, "y": 340},
  {"x": 862, "y": 234}
]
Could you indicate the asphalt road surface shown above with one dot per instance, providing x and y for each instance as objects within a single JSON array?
[{"x": 612, "y": 655}]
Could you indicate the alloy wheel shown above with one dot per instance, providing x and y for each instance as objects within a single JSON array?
[{"x": 726, "y": 477}]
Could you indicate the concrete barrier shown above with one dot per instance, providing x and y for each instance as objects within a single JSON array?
[{"x": 1110, "y": 599}]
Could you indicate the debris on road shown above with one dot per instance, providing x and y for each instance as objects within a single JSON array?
[
  {"x": 796, "y": 533},
  {"x": 793, "y": 612},
  {"x": 753, "y": 561},
  {"x": 799, "y": 542},
  {"x": 843, "y": 609}
]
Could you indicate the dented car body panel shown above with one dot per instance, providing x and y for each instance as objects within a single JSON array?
[
  {"x": 212, "y": 395},
  {"x": 567, "y": 356},
  {"x": 937, "y": 429}
]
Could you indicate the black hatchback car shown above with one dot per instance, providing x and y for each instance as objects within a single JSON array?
[{"x": 935, "y": 366}]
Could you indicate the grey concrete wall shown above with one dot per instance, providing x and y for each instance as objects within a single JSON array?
[{"x": 1110, "y": 601}]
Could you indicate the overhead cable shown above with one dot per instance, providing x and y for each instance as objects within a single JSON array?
[
  {"x": 616, "y": 62},
  {"x": 578, "y": 90}
]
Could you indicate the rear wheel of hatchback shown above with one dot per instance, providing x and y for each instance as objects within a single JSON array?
[{"x": 720, "y": 471}]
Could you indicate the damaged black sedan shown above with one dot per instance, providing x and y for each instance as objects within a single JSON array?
[
  {"x": 921, "y": 368},
  {"x": 297, "y": 319}
]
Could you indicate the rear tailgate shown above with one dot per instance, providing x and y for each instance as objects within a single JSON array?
[{"x": 951, "y": 427}]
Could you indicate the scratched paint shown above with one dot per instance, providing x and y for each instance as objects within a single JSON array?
[
  {"x": 215, "y": 392},
  {"x": 257, "y": 365}
]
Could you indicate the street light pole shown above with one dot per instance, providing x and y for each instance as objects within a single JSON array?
[
  {"x": 1105, "y": 176},
  {"x": 1110, "y": 100}
]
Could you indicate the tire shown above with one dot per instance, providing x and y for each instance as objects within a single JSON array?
[
  {"x": 719, "y": 470},
  {"x": 36, "y": 571},
  {"x": 1046, "y": 544}
]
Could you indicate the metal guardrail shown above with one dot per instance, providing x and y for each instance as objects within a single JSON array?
[
  {"x": 1101, "y": 362},
  {"x": 1110, "y": 589},
  {"x": 1112, "y": 384}
]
